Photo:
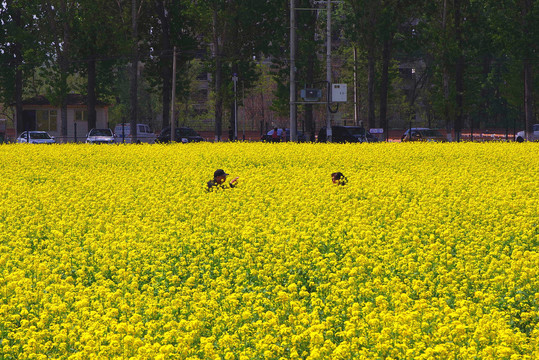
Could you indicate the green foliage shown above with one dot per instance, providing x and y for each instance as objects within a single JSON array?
[
  {"x": 48, "y": 46},
  {"x": 20, "y": 48}
]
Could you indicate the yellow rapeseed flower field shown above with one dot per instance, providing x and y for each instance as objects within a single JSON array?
[{"x": 117, "y": 252}]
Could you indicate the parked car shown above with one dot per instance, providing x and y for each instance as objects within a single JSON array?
[
  {"x": 183, "y": 134},
  {"x": 422, "y": 134},
  {"x": 521, "y": 135},
  {"x": 269, "y": 135},
  {"x": 100, "y": 136},
  {"x": 144, "y": 134},
  {"x": 35, "y": 137},
  {"x": 343, "y": 134}
]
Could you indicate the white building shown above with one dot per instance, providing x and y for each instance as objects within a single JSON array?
[{"x": 39, "y": 114}]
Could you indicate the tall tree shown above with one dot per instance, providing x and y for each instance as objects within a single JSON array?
[
  {"x": 361, "y": 27},
  {"x": 11, "y": 55},
  {"x": 529, "y": 24},
  {"x": 240, "y": 31},
  {"x": 172, "y": 23},
  {"x": 59, "y": 17},
  {"x": 395, "y": 21},
  {"x": 100, "y": 41},
  {"x": 19, "y": 51},
  {"x": 443, "y": 51},
  {"x": 309, "y": 69},
  {"x": 133, "y": 27}
]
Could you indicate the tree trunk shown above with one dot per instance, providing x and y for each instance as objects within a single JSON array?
[
  {"x": 166, "y": 78},
  {"x": 165, "y": 63},
  {"x": 233, "y": 109},
  {"x": 528, "y": 74},
  {"x": 308, "y": 34},
  {"x": 308, "y": 109},
  {"x": 64, "y": 68},
  {"x": 263, "y": 115},
  {"x": 459, "y": 73},
  {"x": 528, "y": 99},
  {"x": 370, "y": 89},
  {"x": 485, "y": 91},
  {"x": 231, "y": 123},
  {"x": 357, "y": 108},
  {"x": 445, "y": 77},
  {"x": 218, "y": 81},
  {"x": 63, "y": 116},
  {"x": 133, "y": 90},
  {"x": 17, "y": 62},
  {"x": 384, "y": 86},
  {"x": 18, "y": 100},
  {"x": 92, "y": 100}
]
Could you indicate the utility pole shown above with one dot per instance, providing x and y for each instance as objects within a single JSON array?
[
  {"x": 173, "y": 100},
  {"x": 293, "y": 120},
  {"x": 329, "y": 133}
]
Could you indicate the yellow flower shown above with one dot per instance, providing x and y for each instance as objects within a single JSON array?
[{"x": 118, "y": 252}]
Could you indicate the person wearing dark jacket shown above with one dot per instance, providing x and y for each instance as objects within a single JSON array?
[
  {"x": 275, "y": 135},
  {"x": 338, "y": 178},
  {"x": 218, "y": 181}
]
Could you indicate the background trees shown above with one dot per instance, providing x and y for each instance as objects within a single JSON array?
[
  {"x": 458, "y": 64},
  {"x": 21, "y": 51}
]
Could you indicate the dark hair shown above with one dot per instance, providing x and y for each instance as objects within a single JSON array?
[
  {"x": 339, "y": 176},
  {"x": 219, "y": 172}
]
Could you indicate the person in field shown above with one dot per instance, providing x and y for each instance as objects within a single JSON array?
[
  {"x": 275, "y": 135},
  {"x": 338, "y": 178},
  {"x": 219, "y": 181}
]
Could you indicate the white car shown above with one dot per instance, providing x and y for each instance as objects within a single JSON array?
[
  {"x": 521, "y": 135},
  {"x": 100, "y": 136},
  {"x": 35, "y": 137},
  {"x": 144, "y": 134}
]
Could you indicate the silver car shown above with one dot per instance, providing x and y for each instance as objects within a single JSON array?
[
  {"x": 144, "y": 134},
  {"x": 100, "y": 136},
  {"x": 35, "y": 137},
  {"x": 521, "y": 135}
]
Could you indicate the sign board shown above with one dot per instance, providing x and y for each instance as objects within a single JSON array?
[
  {"x": 311, "y": 94},
  {"x": 376, "y": 131},
  {"x": 338, "y": 92}
]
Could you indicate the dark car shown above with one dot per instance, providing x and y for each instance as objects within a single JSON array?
[
  {"x": 343, "y": 134},
  {"x": 269, "y": 136},
  {"x": 183, "y": 134},
  {"x": 422, "y": 134}
]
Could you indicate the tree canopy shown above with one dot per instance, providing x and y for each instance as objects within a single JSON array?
[{"x": 458, "y": 64}]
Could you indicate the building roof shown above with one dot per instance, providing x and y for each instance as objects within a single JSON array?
[{"x": 72, "y": 99}]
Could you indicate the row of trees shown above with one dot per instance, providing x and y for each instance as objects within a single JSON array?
[{"x": 475, "y": 59}]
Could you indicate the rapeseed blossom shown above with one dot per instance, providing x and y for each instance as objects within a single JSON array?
[{"x": 428, "y": 252}]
